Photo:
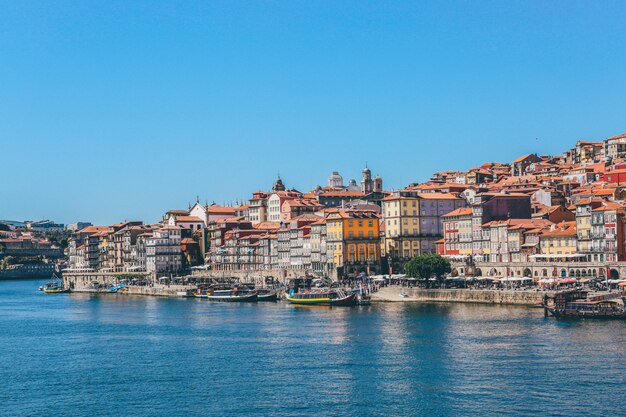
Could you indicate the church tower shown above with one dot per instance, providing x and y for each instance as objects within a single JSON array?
[
  {"x": 366, "y": 180},
  {"x": 278, "y": 185}
]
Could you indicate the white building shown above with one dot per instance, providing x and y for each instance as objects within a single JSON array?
[{"x": 163, "y": 250}]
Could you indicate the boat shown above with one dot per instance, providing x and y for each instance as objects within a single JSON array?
[
  {"x": 326, "y": 297},
  {"x": 118, "y": 287},
  {"x": 267, "y": 295},
  {"x": 54, "y": 287},
  {"x": 577, "y": 304},
  {"x": 228, "y": 295}
]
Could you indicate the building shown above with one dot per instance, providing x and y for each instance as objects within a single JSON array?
[
  {"x": 518, "y": 167},
  {"x": 615, "y": 147},
  {"x": 352, "y": 241},
  {"x": 43, "y": 226},
  {"x": 257, "y": 207},
  {"x": 457, "y": 232},
  {"x": 584, "y": 208},
  {"x": 369, "y": 185},
  {"x": 490, "y": 207},
  {"x": 402, "y": 227},
  {"x": 275, "y": 203},
  {"x": 335, "y": 180},
  {"x": 559, "y": 239},
  {"x": 163, "y": 251},
  {"x": 607, "y": 233}
]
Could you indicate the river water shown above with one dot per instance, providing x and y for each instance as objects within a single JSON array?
[{"x": 85, "y": 355}]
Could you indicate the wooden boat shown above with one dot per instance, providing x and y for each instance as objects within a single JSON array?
[
  {"x": 54, "y": 288},
  {"x": 228, "y": 295},
  {"x": 577, "y": 304},
  {"x": 327, "y": 297},
  {"x": 267, "y": 295}
]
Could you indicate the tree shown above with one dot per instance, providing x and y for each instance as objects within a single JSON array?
[
  {"x": 427, "y": 266},
  {"x": 441, "y": 266}
]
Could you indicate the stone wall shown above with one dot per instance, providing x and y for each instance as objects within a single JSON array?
[{"x": 461, "y": 295}]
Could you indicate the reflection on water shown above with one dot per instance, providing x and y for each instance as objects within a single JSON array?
[{"x": 81, "y": 354}]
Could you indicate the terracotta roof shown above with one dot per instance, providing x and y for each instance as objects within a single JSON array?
[
  {"x": 93, "y": 229},
  {"x": 438, "y": 196},
  {"x": 462, "y": 211},
  {"x": 188, "y": 219},
  {"x": 215, "y": 209},
  {"x": 561, "y": 229},
  {"x": 521, "y": 158},
  {"x": 609, "y": 205},
  {"x": 623, "y": 135},
  {"x": 267, "y": 226}
]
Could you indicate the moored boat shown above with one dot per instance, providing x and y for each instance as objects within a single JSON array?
[
  {"x": 577, "y": 304},
  {"x": 118, "y": 287},
  {"x": 327, "y": 297},
  {"x": 54, "y": 288},
  {"x": 228, "y": 295},
  {"x": 267, "y": 295}
]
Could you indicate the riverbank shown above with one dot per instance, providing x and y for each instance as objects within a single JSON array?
[
  {"x": 155, "y": 291},
  {"x": 517, "y": 297},
  {"x": 386, "y": 294}
]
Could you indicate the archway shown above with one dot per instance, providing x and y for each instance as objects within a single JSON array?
[
  {"x": 572, "y": 273},
  {"x": 528, "y": 273},
  {"x": 478, "y": 272},
  {"x": 614, "y": 273},
  {"x": 563, "y": 273},
  {"x": 544, "y": 272},
  {"x": 493, "y": 272},
  {"x": 578, "y": 273}
]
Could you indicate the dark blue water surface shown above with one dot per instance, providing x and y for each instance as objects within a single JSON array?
[{"x": 79, "y": 355}]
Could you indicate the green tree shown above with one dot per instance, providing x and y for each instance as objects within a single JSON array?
[
  {"x": 427, "y": 266},
  {"x": 441, "y": 266}
]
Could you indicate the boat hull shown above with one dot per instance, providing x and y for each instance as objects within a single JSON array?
[
  {"x": 272, "y": 296},
  {"x": 248, "y": 298},
  {"x": 347, "y": 301},
  {"x": 56, "y": 291},
  {"x": 586, "y": 315}
]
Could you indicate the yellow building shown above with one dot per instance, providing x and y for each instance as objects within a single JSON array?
[
  {"x": 402, "y": 226},
  {"x": 352, "y": 240},
  {"x": 560, "y": 239}
]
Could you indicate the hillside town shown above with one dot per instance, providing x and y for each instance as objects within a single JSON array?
[{"x": 536, "y": 216}]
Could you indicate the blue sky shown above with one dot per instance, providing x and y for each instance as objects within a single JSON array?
[{"x": 121, "y": 110}]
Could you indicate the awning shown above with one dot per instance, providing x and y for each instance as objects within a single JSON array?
[{"x": 567, "y": 281}]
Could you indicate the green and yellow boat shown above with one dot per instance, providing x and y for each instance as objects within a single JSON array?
[{"x": 332, "y": 297}]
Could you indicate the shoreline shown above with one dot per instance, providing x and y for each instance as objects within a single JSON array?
[
  {"x": 384, "y": 295},
  {"x": 477, "y": 296}
]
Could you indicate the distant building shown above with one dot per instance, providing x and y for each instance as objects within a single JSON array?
[
  {"x": 73, "y": 227},
  {"x": 369, "y": 185},
  {"x": 44, "y": 226},
  {"x": 520, "y": 164},
  {"x": 335, "y": 180}
]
